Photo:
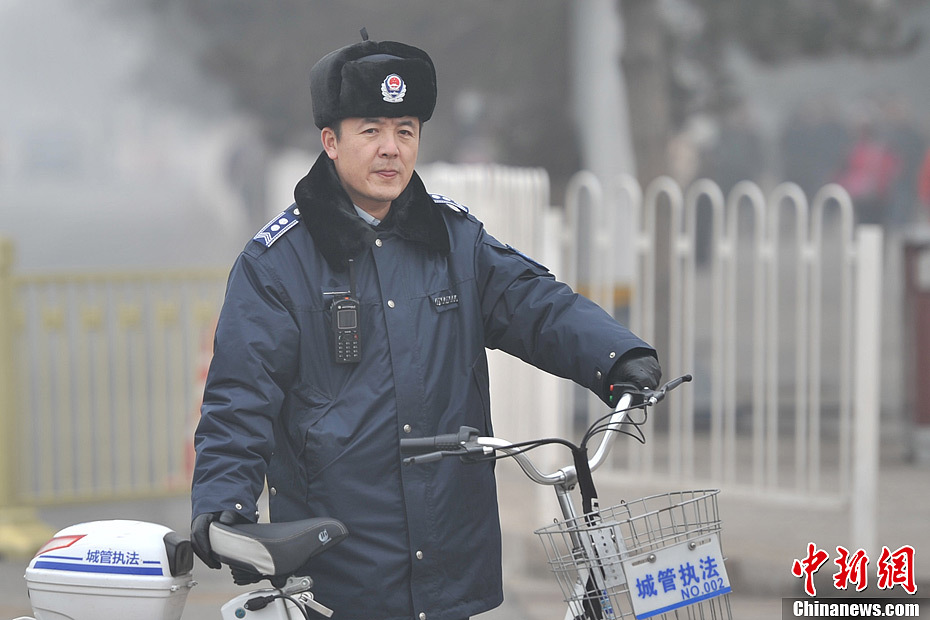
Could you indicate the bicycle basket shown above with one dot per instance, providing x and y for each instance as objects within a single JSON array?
[{"x": 655, "y": 557}]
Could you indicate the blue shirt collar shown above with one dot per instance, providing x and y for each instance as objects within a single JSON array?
[{"x": 366, "y": 216}]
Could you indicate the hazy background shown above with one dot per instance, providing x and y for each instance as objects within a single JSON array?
[{"x": 164, "y": 132}]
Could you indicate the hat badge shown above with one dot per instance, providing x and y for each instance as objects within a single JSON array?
[{"x": 393, "y": 89}]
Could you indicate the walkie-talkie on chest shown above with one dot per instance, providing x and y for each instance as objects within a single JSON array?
[{"x": 345, "y": 320}]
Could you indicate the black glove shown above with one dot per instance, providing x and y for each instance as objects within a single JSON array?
[
  {"x": 638, "y": 368},
  {"x": 244, "y": 576},
  {"x": 200, "y": 533}
]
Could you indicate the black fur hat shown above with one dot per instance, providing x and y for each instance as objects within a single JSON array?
[{"x": 373, "y": 79}]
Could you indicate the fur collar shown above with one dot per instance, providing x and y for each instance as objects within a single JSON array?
[{"x": 338, "y": 231}]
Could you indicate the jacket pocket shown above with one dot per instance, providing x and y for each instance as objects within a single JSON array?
[
  {"x": 310, "y": 405},
  {"x": 308, "y": 410}
]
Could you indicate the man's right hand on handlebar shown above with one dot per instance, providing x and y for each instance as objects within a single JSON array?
[
  {"x": 638, "y": 369},
  {"x": 200, "y": 533}
]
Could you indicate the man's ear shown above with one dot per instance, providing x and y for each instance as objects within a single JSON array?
[{"x": 329, "y": 140}]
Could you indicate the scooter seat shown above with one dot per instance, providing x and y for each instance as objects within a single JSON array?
[{"x": 275, "y": 549}]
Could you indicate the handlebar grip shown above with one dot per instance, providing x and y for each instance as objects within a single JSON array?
[
  {"x": 447, "y": 441},
  {"x": 651, "y": 397}
]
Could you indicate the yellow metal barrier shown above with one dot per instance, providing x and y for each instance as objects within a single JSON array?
[
  {"x": 7, "y": 383},
  {"x": 100, "y": 384},
  {"x": 20, "y": 530}
]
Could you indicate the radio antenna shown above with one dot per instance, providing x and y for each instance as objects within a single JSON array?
[{"x": 352, "y": 277}]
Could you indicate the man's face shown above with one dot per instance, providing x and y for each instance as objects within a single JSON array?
[{"x": 374, "y": 158}]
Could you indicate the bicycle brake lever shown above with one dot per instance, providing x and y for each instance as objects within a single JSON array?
[
  {"x": 654, "y": 396},
  {"x": 468, "y": 454},
  {"x": 429, "y": 457}
]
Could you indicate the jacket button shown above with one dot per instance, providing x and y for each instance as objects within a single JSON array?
[
  {"x": 273, "y": 491},
  {"x": 598, "y": 375},
  {"x": 419, "y": 555},
  {"x": 378, "y": 242},
  {"x": 422, "y": 615},
  {"x": 238, "y": 506},
  {"x": 613, "y": 354},
  {"x": 390, "y": 303},
  {"x": 407, "y": 428}
]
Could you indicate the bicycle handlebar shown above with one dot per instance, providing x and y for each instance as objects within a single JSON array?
[{"x": 469, "y": 445}]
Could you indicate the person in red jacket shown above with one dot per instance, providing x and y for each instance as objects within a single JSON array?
[{"x": 869, "y": 174}]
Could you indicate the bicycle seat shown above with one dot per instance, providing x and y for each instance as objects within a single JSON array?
[{"x": 275, "y": 549}]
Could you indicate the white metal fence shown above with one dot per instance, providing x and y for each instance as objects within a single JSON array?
[
  {"x": 514, "y": 205},
  {"x": 770, "y": 301}
]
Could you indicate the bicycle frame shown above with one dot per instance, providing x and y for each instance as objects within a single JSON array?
[
  {"x": 565, "y": 479},
  {"x": 607, "y": 559},
  {"x": 282, "y": 605}
]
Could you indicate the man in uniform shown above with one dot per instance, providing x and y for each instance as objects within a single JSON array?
[{"x": 418, "y": 290}]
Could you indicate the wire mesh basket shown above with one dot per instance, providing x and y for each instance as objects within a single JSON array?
[{"x": 655, "y": 557}]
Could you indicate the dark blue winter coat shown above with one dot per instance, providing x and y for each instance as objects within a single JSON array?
[{"x": 436, "y": 290}]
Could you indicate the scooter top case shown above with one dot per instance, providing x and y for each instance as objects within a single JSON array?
[{"x": 111, "y": 570}]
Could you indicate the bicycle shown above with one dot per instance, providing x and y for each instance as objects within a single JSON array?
[
  {"x": 132, "y": 569},
  {"x": 655, "y": 557}
]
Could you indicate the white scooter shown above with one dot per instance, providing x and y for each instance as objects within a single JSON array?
[{"x": 114, "y": 570}]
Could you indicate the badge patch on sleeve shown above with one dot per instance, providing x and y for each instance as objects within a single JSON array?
[
  {"x": 445, "y": 200},
  {"x": 278, "y": 225}
]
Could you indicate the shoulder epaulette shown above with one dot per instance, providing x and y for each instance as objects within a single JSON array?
[
  {"x": 445, "y": 200},
  {"x": 277, "y": 226}
]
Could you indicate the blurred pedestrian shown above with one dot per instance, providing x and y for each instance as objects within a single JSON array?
[
  {"x": 738, "y": 154},
  {"x": 903, "y": 138},
  {"x": 814, "y": 145},
  {"x": 923, "y": 183},
  {"x": 869, "y": 173}
]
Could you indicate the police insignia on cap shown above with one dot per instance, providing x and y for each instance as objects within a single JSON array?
[
  {"x": 393, "y": 89},
  {"x": 344, "y": 83}
]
